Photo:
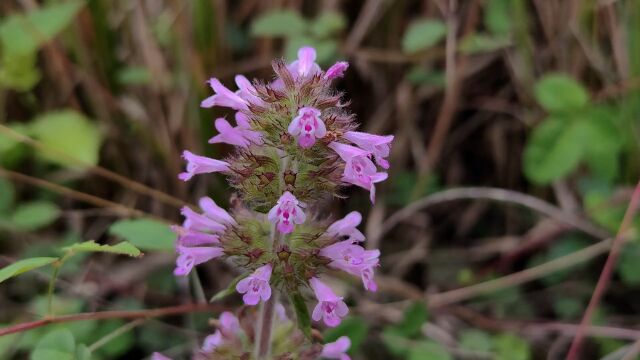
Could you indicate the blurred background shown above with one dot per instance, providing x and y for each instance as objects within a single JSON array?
[{"x": 517, "y": 148}]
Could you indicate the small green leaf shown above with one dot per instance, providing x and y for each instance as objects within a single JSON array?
[
  {"x": 24, "y": 265},
  {"x": 7, "y": 194},
  {"x": 475, "y": 340},
  {"x": 83, "y": 352},
  {"x": 146, "y": 234},
  {"x": 558, "y": 92},
  {"x": 56, "y": 345},
  {"x": 328, "y": 23},
  {"x": 354, "y": 327},
  {"x": 302, "y": 313},
  {"x": 70, "y": 133},
  {"x": 34, "y": 215},
  {"x": 423, "y": 34},
  {"x": 479, "y": 43},
  {"x": 414, "y": 317},
  {"x": 123, "y": 248},
  {"x": 19, "y": 71},
  {"x": 428, "y": 350},
  {"x": 133, "y": 75},
  {"x": 511, "y": 347},
  {"x": 231, "y": 289},
  {"x": 397, "y": 344},
  {"x": 497, "y": 16},
  {"x": 603, "y": 137},
  {"x": 277, "y": 23},
  {"x": 628, "y": 266}
]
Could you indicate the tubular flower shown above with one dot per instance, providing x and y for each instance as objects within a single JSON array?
[
  {"x": 337, "y": 349},
  {"x": 229, "y": 328},
  {"x": 336, "y": 70},
  {"x": 256, "y": 286},
  {"x": 330, "y": 307},
  {"x": 241, "y": 135},
  {"x": 306, "y": 63},
  {"x": 224, "y": 97},
  {"x": 307, "y": 126},
  {"x": 192, "y": 256},
  {"x": 378, "y": 146},
  {"x": 346, "y": 228},
  {"x": 187, "y": 237},
  {"x": 201, "y": 165},
  {"x": 353, "y": 259},
  {"x": 359, "y": 170},
  {"x": 287, "y": 213}
]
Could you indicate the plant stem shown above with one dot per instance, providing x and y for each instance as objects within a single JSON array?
[
  {"x": 52, "y": 285},
  {"x": 265, "y": 325}
]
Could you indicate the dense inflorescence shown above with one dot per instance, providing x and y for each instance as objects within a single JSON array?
[{"x": 295, "y": 148}]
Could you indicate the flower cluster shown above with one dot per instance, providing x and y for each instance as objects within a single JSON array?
[{"x": 295, "y": 146}]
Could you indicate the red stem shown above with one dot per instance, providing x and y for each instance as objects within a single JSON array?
[
  {"x": 605, "y": 275},
  {"x": 117, "y": 314}
]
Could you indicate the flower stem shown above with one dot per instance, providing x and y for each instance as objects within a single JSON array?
[{"x": 265, "y": 325}]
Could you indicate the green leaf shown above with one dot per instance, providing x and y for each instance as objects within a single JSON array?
[
  {"x": 119, "y": 345},
  {"x": 83, "y": 352},
  {"x": 70, "y": 133},
  {"x": 558, "y": 92},
  {"x": 24, "y": 265},
  {"x": 277, "y": 23},
  {"x": 553, "y": 150},
  {"x": 25, "y": 33},
  {"x": 420, "y": 76},
  {"x": 123, "y": 248},
  {"x": 511, "y": 347},
  {"x": 12, "y": 151},
  {"x": 302, "y": 313},
  {"x": 397, "y": 344},
  {"x": 628, "y": 267},
  {"x": 19, "y": 71},
  {"x": 328, "y": 23},
  {"x": 414, "y": 317},
  {"x": 475, "y": 340},
  {"x": 133, "y": 75},
  {"x": 34, "y": 215},
  {"x": 231, "y": 289},
  {"x": 146, "y": 234},
  {"x": 603, "y": 137},
  {"x": 479, "y": 43},
  {"x": 354, "y": 327},
  {"x": 428, "y": 350},
  {"x": 56, "y": 345},
  {"x": 497, "y": 17},
  {"x": 7, "y": 194},
  {"x": 568, "y": 308},
  {"x": 423, "y": 34}
]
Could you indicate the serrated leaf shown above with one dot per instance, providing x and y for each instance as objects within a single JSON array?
[
  {"x": 34, "y": 215},
  {"x": 303, "y": 319},
  {"x": 24, "y": 265},
  {"x": 328, "y": 23},
  {"x": 56, "y": 345},
  {"x": 553, "y": 150},
  {"x": 278, "y": 23},
  {"x": 123, "y": 248},
  {"x": 497, "y": 16},
  {"x": 423, "y": 34},
  {"x": 558, "y": 92},
  {"x": 428, "y": 350},
  {"x": 354, "y": 327},
  {"x": 231, "y": 289},
  {"x": 7, "y": 194},
  {"x": 146, "y": 234},
  {"x": 70, "y": 133}
]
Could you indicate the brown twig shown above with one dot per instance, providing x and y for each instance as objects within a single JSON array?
[
  {"x": 117, "y": 314},
  {"x": 607, "y": 272}
]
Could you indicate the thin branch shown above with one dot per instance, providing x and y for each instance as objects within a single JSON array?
[
  {"x": 117, "y": 314},
  {"x": 607, "y": 272}
]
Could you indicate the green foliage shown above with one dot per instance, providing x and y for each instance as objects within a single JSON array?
[
  {"x": 480, "y": 43},
  {"x": 475, "y": 340},
  {"x": 398, "y": 337},
  {"x": 327, "y": 24},
  {"x": 278, "y": 23},
  {"x": 628, "y": 266},
  {"x": 133, "y": 75},
  {"x": 498, "y": 17},
  {"x": 303, "y": 319},
  {"x": 414, "y": 317},
  {"x": 561, "y": 247},
  {"x": 560, "y": 93},
  {"x": 354, "y": 327},
  {"x": 70, "y": 133},
  {"x": 511, "y": 347},
  {"x": 421, "y": 76},
  {"x": 428, "y": 350},
  {"x": 231, "y": 289},
  {"x": 423, "y": 34},
  {"x": 24, "y": 265},
  {"x": 56, "y": 345},
  {"x": 7, "y": 195},
  {"x": 146, "y": 234},
  {"x": 34, "y": 215},
  {"x": 123, "y": 248},
  {"x": 568, "y": 307}
]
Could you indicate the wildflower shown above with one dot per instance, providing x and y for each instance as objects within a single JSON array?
[
  {"x": 224, "y": 97},
  {"x": 215, "y": 212},
  {"x": 187, "y": 237},
  {"x": 359, "y": 170},
  {"x": 305, "y": 65},
  {"x": 256, "y": 286},
  {"x": 307, "y": 126},
  {"x": 330, "y": 307},
  {"x": 247, "y": 91},
  {"x": 158, "y": 356},
  {"x": 286, "y": 213},
  {"x": 336, "y": 70},
  {"x": 229, "y": 328},
  {"x": 377, "y": 145},
  {"x": 213, "y": 220},
  {"x": 200, "y": 165},
  {"x": 192, "y": 256},
  {"x": 337, "y": 349},
  {"x": 241, "y": 135},
  {"x": 346, "y": 227},
  {"x": 353, "y": 259}
]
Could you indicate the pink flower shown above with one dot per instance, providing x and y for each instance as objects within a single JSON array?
[
  {"x": 336, "y": 70},
  {"x": 229, "y": 328},
  {"x": 307, "y": 126},
  {"x": 286, "y": 213},
  {"x": 200, "y": 165},
  {"x": 192, "y": 256},
  {"x": 158, "y": 356},
  {"x": 224, "y": 97},
  {"x": 359, "y": 169},
  {"x": 187, "y": 237},
  {"x": 305, "y": 65},
  {"x": 346, "y": 227},
  {"x": 229, "y": 323},
  {"x": 212, "y": 341},
  {"x": 377, "y": 145},
  {"x": 214, "y": 219},
  {"x": 241, "y": 135},
  {"x": 256, "y": 286},
  {"x": 353, "y": 259},
  {"x": 337, "y": 349},
  {"x": 247, "y": 91},
  {"x": 330, "y": 307}
]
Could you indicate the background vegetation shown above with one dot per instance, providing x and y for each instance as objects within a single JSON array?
[{"x": 517, "y": 149}]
